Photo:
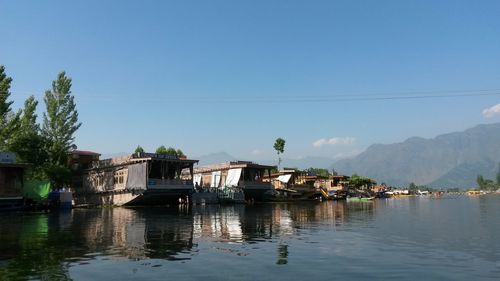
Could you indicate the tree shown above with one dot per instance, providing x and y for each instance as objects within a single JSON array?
[
  {"x": 139, "y": 149},
  {"x": 480, "y": 181},
  {"x": 8, "y": 120},
  {"x": 359, "y": 181},
  {"x": 60, "y": 122},
  {"x": 27, "y": 143},
  {"x": 279, "y": 146},
  {"x": 319, "y": 172},
  {"x": 168, "y": 151},
  {"x": 161, "y": 150},
  {"x": 180, "y": 153},
  {"x": 498, "y": 176}
]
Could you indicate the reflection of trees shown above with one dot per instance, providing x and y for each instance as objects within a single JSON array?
[
  {"x": 34, "y": 250},
  {"x": 43, "y": 246},
  {"x": 282, "y": 254}
]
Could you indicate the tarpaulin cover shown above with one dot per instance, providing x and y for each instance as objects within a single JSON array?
[
  {"x": 136, "y": 178},
  {"x": 233, "y": 177},
  {"x": 215, "y": 179},
  {"x": 197, "y": 179},
  {"x": 36, "y": 190},
  {"x": 284, "y": 178}
]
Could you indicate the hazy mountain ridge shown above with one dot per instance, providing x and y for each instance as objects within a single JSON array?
[
  {"x": 301, "y": 163},
  {"x": 448, "y": 160}
]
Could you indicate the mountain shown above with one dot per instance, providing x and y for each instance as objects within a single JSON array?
[
  {"x": 449, "y": 160},
  {"x": 302, "y": 163},
  {"x": 214, "y": 158}
]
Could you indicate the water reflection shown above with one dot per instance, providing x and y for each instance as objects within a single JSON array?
[
  {"x": 43, "y": 245},
  {"x": 47, "y": 246}
]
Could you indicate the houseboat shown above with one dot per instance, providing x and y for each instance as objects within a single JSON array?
[
  {"x": 236, "y": 176},
  {"x": 137, "y": 179},
  {"x": 11, "y": 182},
  {"x": 291, "y": 184}
]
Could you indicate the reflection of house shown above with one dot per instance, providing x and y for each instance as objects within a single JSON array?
[
  {"x": 11, "y": 181},
  {"x": 142, "y": 178},
  {"x": 244, "y": 175}
]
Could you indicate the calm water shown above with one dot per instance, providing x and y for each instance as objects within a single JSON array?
[{"x": 454, "y": 238}]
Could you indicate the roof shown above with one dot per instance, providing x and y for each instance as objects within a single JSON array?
[
  {"x": 85, "y": 152},
  {"x": 231, "y": 165}
]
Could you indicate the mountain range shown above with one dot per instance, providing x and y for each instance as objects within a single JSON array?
[
  {"x": 449, "y": 160},
  {"x": 300, "y": 163}
]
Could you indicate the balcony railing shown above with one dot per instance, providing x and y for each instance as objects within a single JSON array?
[{"x": 169, "y": 184}]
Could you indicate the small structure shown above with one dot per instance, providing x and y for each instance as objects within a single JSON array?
[
  {"x": 11, "y": 181},
  {"x": 137, "y": 179},
  {"x": 234, "y": 176}
]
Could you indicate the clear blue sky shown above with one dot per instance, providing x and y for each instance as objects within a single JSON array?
[{"x": 209, "y": 76}]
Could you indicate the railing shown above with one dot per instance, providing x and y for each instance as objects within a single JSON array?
[
  {"x": 255, "y": 185},
  {"x": 169, "y": 184}
]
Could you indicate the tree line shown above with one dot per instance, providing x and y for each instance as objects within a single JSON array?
[
  {"x": 487, "y": 184},
  {"x": 44, "y": 145},
  {"x": 163, "y": 150}
]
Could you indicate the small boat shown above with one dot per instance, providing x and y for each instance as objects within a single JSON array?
[{"x": 360, "y": 199}]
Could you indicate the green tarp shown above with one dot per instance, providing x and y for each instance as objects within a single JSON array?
[{"x": 36, "y": 190}]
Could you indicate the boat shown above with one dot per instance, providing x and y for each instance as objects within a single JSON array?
[
  {"x": 235, "y": 180},
  {"x": 360, "y": 199},
  {"x": 133, "y": 180},
  {"x": 291, "y": 185}
]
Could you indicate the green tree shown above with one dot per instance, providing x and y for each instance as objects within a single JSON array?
[
  {"x": 161, "y": 150},
  {"x": 480, "y": 181},
  {"x": 360, "y": 181},
  {"x": 279, "y": 146},
  {"x": 139, "y": 149},
  {"x": 9, "y": 120},
  {"x": 28, "y": 143},
  {"x": 180, "y": 153},
  {"x": 60, "y": 122},
  {"x": 318, "y": 171},
  {"x": 498, "y": 176},
  {"x": 169, "y": 151}
]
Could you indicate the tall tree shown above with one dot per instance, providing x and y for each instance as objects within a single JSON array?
[
  {"x": 60, "y": 122},
  {"x": 8, "y": 120},
  {"x": 498, "y": 176},
  {"x": 480, "y": 181},
  {"x": 279, "y": 146},
  {"x": 27, "y": 142}
]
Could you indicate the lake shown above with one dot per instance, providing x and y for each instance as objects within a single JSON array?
[{"x": 419, "y": 238}]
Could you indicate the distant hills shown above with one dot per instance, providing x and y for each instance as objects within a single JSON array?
[
  {"x": 214, "y": 158},
  {"x": 449, "y": 160},
  {"x": 302, "y": 163}
]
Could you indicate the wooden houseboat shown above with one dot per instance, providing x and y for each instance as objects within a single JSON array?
[
  {"x": 292, "y": 184},
  {"x": 234, "y": 176},
  {"x": 137, "y": 179},
  {"x": 11, "y": 182}
]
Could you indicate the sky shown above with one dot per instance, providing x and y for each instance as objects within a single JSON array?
[{"x": 330, "y": 77}]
